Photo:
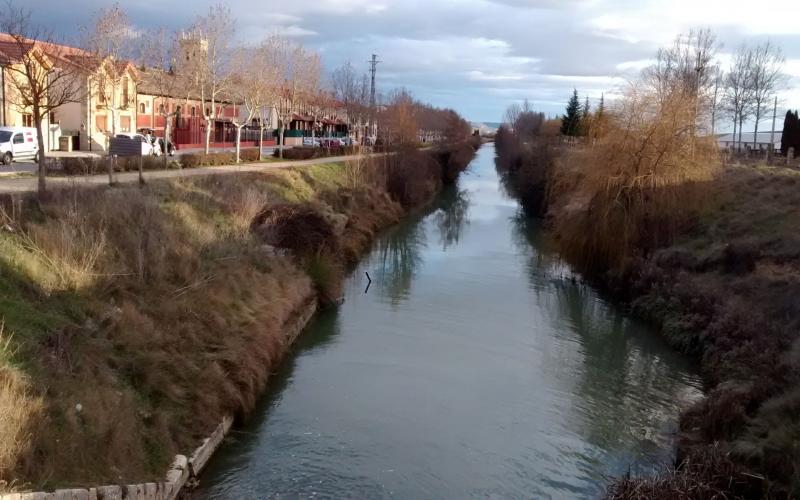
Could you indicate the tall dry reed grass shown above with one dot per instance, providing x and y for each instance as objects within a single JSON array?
[{"x": 637, "y": 186}]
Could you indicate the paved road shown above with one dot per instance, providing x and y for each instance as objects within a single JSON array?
[{"x": 28, "y": 184}]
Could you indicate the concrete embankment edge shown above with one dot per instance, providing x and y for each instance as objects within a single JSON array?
[{"x": 184, "y": 470}]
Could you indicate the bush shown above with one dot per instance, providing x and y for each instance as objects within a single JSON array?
[
  {"x": 412, "y": 177},
  {"x": 72, "y": 166},
  {"x": 327, "y": 275},
  {"x": 249, "y": 154},
  {"x": 194, "y": 160},
  {"x": 299, "y": 153},
  {"x": 301, "y": 228},
  {"x": 641, "y": 184},
  {"x": 454, "y": 158},
  {"x": 310, "y": 152}
]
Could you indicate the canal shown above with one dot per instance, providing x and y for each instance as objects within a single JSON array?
[{"x": 475, "y": 365}]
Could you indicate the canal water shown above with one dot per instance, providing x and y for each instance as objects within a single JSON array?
[{"x": 475, "y": 365}]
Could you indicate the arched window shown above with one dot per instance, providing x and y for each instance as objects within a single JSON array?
[
  {"x": 194, "y": 111},
  {"x": 141, "y": 108}
]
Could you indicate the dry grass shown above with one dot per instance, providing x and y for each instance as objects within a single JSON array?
[
  {"x": 711, "y": 475},
  {"x": 639, "y": 185},
  {"x": 20, "y": 411},
  {"x": 726, "y": 291},
  {"x": 145, "y": 314}
]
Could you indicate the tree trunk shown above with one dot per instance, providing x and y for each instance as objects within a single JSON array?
[
  {"x": 282, "y": 144},
  {"x": 755, "y": 132},
  {"x": 42, "y": 186},
  {"x": 238, "y": 142},
  {"x": 261, "y": 143},
  {"x": 166, "y": 140},
  {"x": 208, "y": 134},
  {"x": 741, "y": 123},
  {"x": 735, "y": 120}
]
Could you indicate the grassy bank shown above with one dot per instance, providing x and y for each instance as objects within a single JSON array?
[
  {"x": 136, "y": 317},
  {"x": 713, "y": 261}
]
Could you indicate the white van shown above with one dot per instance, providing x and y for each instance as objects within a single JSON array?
[{"x": 18, "y": 143}]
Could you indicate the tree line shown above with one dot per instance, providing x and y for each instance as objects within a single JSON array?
[{"x": 201, "y": 62}]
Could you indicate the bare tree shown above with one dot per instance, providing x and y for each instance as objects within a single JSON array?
[
  {"x": 766, "y": 76},
  {"x": 300, "y": 71},
  {"x": 399, "y": 119},
  {"x": 161, "y": 76},
  {"x": 210, "y": 56},
  {"x": 738, "y": 95},
  {"x": 254, "y": 74},
  {"x": 40, "y": 80},
  {"x": 108, "y": 39},
  {"x": 686, "y": 70},
  {"x": 353, "y": 93}
]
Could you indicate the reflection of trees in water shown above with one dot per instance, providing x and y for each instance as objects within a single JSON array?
[
  {"x": 452, "y": 215},
  {"x": 542, "y": 261},
  {"x": 399, "y": 257},
  {"x": 628, "y": 384},
  {"x": 398, "y": 254}
]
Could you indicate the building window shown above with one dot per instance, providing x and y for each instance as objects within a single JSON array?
[
  {"x": 100, "y": 122},
  {"x": 125, "y": 123},
  {"x": 208, "y": 112},
  {"x": 161, "y": 108},
  {"x": 141, "y": 108},
  {"x": 125, "y": 92},
  {"x": 53, "y": 120},
  {"x": 194, "y": 111},
  {"x": 27, "y": 120}
]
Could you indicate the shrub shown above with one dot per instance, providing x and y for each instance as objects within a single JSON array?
[
  {"x": 194, "y": 160},
  {"x": 326, "y": 274},
  {"x": 412, "y": 177},
  {"x": 639, "y": 186},
  {"x": 301, "y": 228},
  {"x": 249, "y": 154},
  {"x": 299, "y": 153}
]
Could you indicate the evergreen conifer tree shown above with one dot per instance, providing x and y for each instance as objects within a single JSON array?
[
  {"x": 791, "y": 133},
  {"x": 571, "y": 121}
]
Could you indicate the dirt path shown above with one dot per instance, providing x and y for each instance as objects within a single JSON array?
[{"x": 29, "y": 184}]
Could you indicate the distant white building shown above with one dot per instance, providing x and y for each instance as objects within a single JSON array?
[{"x": 728, "y": 141}]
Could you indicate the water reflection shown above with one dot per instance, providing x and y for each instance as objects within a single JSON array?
[
  {"x": 478, "y": 365},
  {"x": 397, "y": 258},
  {"x": 451, "y": 216},
  {"x": 626, "y": 383}
]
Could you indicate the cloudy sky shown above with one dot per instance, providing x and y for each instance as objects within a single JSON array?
[{"x": 478, "y": 56}]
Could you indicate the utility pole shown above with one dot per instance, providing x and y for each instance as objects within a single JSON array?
[
  {"x": 373, "y": 69},
  {"x": 772, "y": 131}
]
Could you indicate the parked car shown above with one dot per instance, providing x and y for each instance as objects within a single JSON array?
[
  {"x": 311, "y": 141},
  {"x": 149, "y": 147},
  {"x": 18, "y": 143}
]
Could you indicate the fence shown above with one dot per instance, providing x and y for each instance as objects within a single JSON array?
[{"x": 193, "y": 131}]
